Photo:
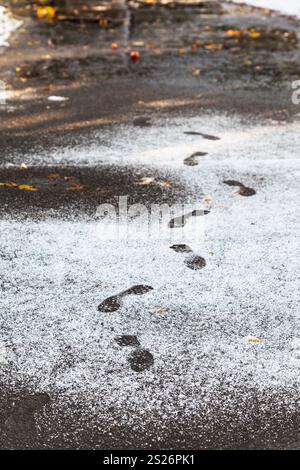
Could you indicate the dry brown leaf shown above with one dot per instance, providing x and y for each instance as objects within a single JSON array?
[
  {"x": 27, "y": 187},
  {"x": 159, "y": 310},
  {"x": 53, "y": 176}
]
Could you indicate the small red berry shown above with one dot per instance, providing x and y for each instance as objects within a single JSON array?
[{"x": 135, "y": 55}]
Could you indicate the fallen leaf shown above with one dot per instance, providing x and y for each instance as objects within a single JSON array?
[
  {"x": 196, "y": 72},
  {"x": 181, "y": 51},
  {"x": 114, "y": 45},
  {"x": 165, "y": 184},
  {"x": 254, "y": 35},
  {"x": 213, "y": 47},
  {"x": 53, "y": 176},
  {"x": 253, "y": 340},
  {"x": 74, "y": 187},
  {"x": 145, "y": 181},
  {"x": 27, "y": 187},
  {"x": 103, "y": 22}
]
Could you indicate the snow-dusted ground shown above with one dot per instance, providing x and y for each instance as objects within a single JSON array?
[
  {"x": 55, "y": 272},
  {"x": 7, "y": 26}
]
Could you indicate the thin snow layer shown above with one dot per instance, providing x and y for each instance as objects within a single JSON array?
[
  {"x": 289, "y": 7},
  {"x": 165, "y": 144},
  {"x": 196, "y": 324},
  {"x": 7, "y": 26}
]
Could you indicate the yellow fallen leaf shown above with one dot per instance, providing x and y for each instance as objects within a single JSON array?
[
  {"x": 74, "y": 187},
  {"x": 253, "y": 340},
  {"x": 181, "y": 51},
  {"x": 234, "y": 33},
  {"x": 214, "y": 47},
  {"x": 254, "y": 35},
  {"x": 27, "y": 187},
  {"x": 45, "y": 12},
  {"x": 166, "y": 184},
  {"x": 53, "y": 176}
]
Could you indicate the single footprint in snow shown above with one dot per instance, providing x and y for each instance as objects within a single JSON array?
[
  {"x": 192, "y": 160},
  {"x": 113, "y": 303},
  {"x": 243, "y": 191},
  {"x": 127, "y": 340},
  {"x": 205, "y": 136},
  {"x": 140, "y": 360},
  {"x": 180, "y": 221},
  {"x": 193, "y": 262}
]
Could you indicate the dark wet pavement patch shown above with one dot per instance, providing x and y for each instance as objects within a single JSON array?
[
  {"x": 141, "y": 360},
  {"x": 111, "y": 304}
]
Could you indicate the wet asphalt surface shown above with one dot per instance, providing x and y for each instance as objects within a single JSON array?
[{"x": 224, "y": 72}]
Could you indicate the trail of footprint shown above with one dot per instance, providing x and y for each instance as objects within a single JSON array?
[
  {"x": 113, "y": 303},
  {"x": 243, "y": 191},
  {"x": 205, "y": 136},
  {"x": 193, "y": 262},
  {"x": 178, "y": 222},
  {"x": 192, "y": 159}
]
